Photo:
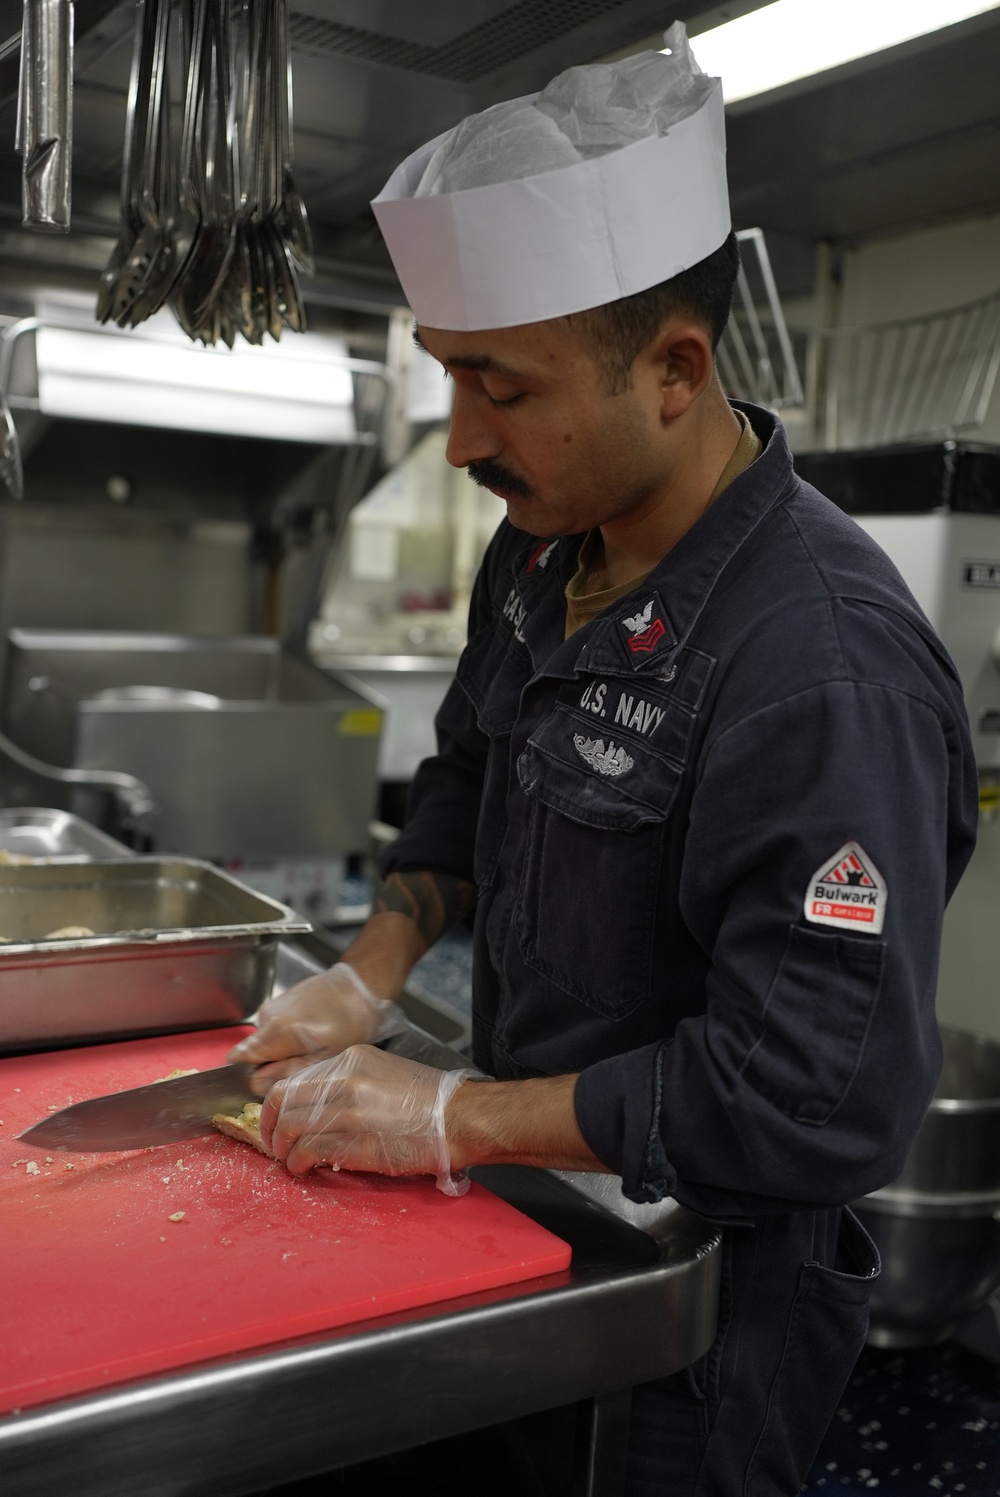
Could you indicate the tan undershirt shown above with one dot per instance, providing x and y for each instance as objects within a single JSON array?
[{"x": 582, "y": 605}]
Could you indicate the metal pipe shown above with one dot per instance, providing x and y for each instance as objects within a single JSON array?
[
  {"x": 132, "y": 794},
  {"x": 45, "y": 113}
]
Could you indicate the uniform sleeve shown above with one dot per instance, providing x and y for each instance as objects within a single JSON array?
[
  {"x": 443, "y": 811},
  {"x": 807, "y": 1077}
]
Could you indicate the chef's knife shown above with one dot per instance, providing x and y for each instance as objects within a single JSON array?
[{"x": 161, "y": 1113}]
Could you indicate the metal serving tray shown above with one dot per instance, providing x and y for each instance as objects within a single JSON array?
[
  {"x": 177, "y": 945},
  {"x": 43, "y": 832}
]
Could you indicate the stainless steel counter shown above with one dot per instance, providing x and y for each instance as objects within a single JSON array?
[{"x": 639, "y": 1302}]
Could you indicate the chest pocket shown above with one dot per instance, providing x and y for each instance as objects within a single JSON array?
[
  {"x": 587, "y": 904},
  {"x": 492, "y": 672}
]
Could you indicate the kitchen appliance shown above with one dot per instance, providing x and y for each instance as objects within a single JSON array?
[
  {"x": 937, "y": 1226},
  {"x": 269, "y": 757},
  {"x": 177, "y": 945}
]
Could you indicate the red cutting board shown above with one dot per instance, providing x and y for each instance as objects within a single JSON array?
[{"x": 97, "y": 1285}]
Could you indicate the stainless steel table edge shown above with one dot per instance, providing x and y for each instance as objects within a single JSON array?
[
  {"x": 640, "y": 1301},
  {"x": 328, "y": 660},
  {"x": 232, "y": 1427}
]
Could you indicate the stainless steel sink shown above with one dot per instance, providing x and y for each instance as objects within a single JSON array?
[{"x": 284, "y": 763}]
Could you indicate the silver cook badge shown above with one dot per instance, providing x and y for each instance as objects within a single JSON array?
[{"x": 607, "y": 761}]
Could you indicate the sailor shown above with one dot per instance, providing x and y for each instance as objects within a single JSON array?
[{"x": 704, "y": 776}]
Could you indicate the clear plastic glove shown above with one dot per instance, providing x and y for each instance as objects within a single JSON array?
[
  {"x": 315, "y": 1019},
  {"x": 365, "y": 1110}
]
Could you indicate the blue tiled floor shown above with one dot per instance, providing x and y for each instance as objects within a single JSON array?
[{"x": 922, "y": 1423}]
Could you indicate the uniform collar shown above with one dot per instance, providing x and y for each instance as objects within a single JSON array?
[{"x": 642, "y": 631}]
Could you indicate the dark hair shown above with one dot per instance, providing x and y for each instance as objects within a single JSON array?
[{"x": 619, "y": 331}]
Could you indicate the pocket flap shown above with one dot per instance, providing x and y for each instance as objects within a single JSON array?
[{"x": 593, "y": 779}]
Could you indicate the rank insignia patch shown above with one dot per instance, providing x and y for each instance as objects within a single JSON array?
[
  {"x": 539, "y": 558},
  {"x": 848, "y": 892},
  {"x": 644, "y": 630}
]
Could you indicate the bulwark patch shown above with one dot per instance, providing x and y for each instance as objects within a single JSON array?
[
  {"x": 848, "y": 891},
  {"x": 643, "y": 630}
]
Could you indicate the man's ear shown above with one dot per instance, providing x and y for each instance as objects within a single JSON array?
[{"x": 682, "y": 354}]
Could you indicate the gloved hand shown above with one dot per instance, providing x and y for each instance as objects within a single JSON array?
[
  {"x": 365, "y": 1110},
  {"x": 317, "y": 1018}
]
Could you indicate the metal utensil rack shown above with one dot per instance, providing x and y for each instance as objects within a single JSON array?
[
  {"x": 927, "y": 376},
  {"x": 756, "y": 355}
]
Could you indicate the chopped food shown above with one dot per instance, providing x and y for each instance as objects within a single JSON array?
[
  {"x": 245, "y": 1127},
  {"x": 13, "y": 859},
  {"x": 176, "y": 1216},
  {"x": 69, "y": 933},
  {"x": 31, "y": 1168},
  {"x": 69, "y": 1166},
  {"x": 191, "y": 1071}
]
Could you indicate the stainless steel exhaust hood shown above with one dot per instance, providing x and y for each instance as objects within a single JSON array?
[{"x": 62, "y": 363}]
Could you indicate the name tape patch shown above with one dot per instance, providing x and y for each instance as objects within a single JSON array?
[{"x": 848, "y": 892}]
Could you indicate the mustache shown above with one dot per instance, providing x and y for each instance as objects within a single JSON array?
[{"x": 491, "y": 475}]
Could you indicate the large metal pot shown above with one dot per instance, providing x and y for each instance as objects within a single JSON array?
[{"x": 937, "y": 1226}]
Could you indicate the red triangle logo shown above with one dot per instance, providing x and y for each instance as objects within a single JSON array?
[{"x": 850, "y": 870}]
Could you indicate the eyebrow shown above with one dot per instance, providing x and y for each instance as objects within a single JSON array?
[{"x": 479, "y": 363}]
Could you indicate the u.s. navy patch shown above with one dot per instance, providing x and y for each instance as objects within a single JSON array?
[{"x": 847, "y": 891}]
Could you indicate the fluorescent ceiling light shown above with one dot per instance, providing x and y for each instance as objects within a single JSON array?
[
  {"x": 791, "y": 39},
  {"x": 297, "y": 389}
]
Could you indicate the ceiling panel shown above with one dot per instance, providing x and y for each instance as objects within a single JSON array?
[
  {"x": 911, "y": 141},
  {"x": 428, "y": 24},
  {"x": 907, "y": 138}
]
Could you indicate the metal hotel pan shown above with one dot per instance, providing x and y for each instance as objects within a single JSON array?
[
  {"x": 44, "y": 832},
  {"x": 177, "y": 945}
]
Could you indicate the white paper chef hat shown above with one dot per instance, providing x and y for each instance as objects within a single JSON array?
[{"x": 606, "y": 183}]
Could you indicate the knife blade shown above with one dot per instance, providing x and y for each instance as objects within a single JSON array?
[{"x": 160, "y": 1113}]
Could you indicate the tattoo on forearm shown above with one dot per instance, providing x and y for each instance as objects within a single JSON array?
[{"x": 433, "y": 901}]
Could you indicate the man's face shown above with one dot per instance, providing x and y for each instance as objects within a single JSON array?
[{"x": 533, "y": 421}]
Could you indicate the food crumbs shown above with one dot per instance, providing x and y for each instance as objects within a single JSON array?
[
  {"x": 176, "y": 1216},
  {"x": 165, "y": 1179},
  {"x": 69, "y": 1166},
  {"x": 53, "y": 1107},
  {"x": 31, "y": 1168},
  {"x": 180, "y": 1164},
  {"x": 163, "y": 1239}
]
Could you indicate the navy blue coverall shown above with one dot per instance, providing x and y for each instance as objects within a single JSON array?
[{"x": 713, "y": 835}]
